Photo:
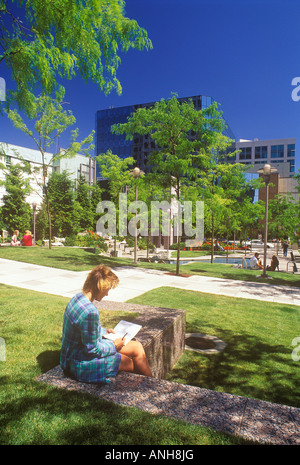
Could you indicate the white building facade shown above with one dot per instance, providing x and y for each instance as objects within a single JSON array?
[{"x": 77, "y": 166}]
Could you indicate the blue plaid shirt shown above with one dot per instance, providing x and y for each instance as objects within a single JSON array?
[{"x": 84, "y": 353}]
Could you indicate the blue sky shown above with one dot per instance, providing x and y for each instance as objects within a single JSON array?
[{"x": 243, "y": 53}]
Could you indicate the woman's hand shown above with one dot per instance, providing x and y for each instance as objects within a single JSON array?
[
  {"x": 110, "y": 330},
  {"x": 119, "y": 343}
]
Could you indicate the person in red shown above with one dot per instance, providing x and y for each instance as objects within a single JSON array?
[{"x": 27, "y": 239}]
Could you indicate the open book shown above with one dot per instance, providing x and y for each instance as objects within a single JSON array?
[{"x": 124, "y": 328}]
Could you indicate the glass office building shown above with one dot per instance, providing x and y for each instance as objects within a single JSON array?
[{"x": 141, "y": 145}]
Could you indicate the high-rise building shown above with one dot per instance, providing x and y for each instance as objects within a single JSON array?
[
  {"x": 279, "y": 153},
  {"x": 274, "y": 151},
  {"x": 141, "y": 146}
]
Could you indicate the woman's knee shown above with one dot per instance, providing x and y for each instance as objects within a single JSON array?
[
  {"x": 133, "y": 349},
  {"x": 137, "y": 348},
  {"x": 126, "y": 364}
]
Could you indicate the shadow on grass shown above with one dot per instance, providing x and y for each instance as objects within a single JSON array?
[
  {"x": 247, "y": 367},
  {"x": 42, "y": 414},
  {"x": 90, "y": 259},
  {"x": 53, "y": 416},
  {"x": 48, "y": 360}
]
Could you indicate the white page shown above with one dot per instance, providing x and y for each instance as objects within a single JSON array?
[{"x": 124, "y": 327}]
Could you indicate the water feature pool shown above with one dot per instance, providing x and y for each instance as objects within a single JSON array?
[{"x": 231, "y": 261}]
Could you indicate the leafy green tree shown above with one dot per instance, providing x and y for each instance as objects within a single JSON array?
[
  {"x": 61, "y": 198},
  {"x": 83, "y": 207},
  {"x": 96, "y": 195},
  {"x": 50, "y": 121},
  {"x": 239, "y": 206},
  {"x": 184, "y": 137},
  {"x": 297, "y": 177},
  {"x": 15, "y": 211},
  {"x": 119, "y": 173},
  {"x": 284, "y": 219},
  {"x": 42, "y": 41},
  {"x": 41, "y": 223},
  {"x": 250, "y": 215},
  {"x": 149, "y": 190},
  {"x": 86, "y": 200}
]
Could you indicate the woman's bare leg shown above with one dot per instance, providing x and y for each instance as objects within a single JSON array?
[
  {"x": 126, "y": 364},
  {"x": 134, "y": 359}
]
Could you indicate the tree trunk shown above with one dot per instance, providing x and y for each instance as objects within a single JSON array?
[
  {"x": 47, "y": 200},
  {"x": 227, "y": 238},
  {"x": 212, "y": 237},
  {"x": 49, "y": 222},
  {"x": 148, "y": 241},
  {"x": 234, "y": 241},
  {"x": 178, "y": 255}
]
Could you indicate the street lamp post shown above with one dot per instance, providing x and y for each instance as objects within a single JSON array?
[
  {"x": 34, "y": 211},
  {"x": 266, "y": 171}
]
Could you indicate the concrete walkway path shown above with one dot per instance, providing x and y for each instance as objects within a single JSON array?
[{"x": 137, "y": 281}]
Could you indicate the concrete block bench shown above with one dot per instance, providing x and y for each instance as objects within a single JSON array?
[{"x": 162, "y": 334}]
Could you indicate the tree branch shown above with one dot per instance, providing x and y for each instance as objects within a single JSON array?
[{"x": 10, "y": 53}]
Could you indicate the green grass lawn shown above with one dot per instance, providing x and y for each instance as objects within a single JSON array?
[
  {"x": 34, "y": 413},
  {"x": 80, "y": 260},
  {"x": 257, "y": 361}
]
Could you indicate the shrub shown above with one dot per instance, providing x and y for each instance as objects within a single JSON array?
[
  {"x": 175, "y": 245},
  {"x": 91, "y": 239}
]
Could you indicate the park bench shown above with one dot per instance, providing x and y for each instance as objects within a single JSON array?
[{"x": 294, "y": 260}]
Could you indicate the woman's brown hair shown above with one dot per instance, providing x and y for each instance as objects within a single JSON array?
[{"x": 101, "y": 278}]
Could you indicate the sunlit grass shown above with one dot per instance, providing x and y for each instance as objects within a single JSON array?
[
  {"x": 36, "y": 413},
  {"x": 257, "y": 361}
]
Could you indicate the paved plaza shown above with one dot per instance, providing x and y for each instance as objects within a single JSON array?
[{"x": 137, "y": 281}]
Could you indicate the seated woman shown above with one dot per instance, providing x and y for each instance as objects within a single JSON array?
[
  {"x": 274, "y": 264},
  {"x": 27, "y": 239},
  {"x": 14, "y": 240},
  {"x": 85, "y": 354}
]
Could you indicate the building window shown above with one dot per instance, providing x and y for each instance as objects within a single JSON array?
[
  {"x": 245, "y": 153},
  {"x": 261, "y": 152},
  {"x": 292, "y": 166},
  {"x": 291, "y": 150},
  {"x": 7, "y": 160},
  {"x": 277, "y": 151}
]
